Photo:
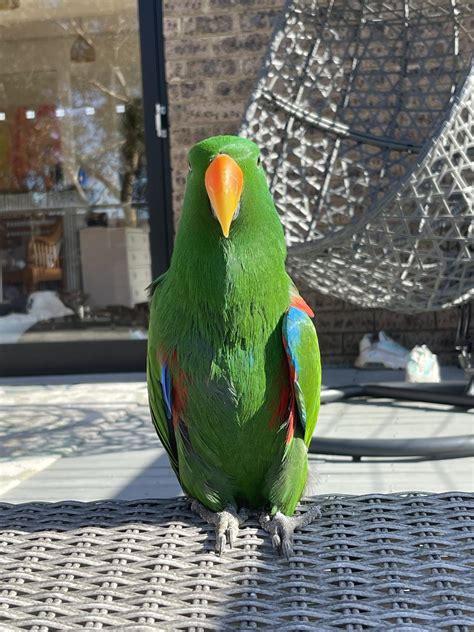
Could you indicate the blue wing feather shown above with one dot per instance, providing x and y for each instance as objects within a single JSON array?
[
  {"x": 166, "y": 390},
  {"x": 302, "y": 350}
]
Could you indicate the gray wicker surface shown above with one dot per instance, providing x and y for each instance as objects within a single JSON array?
[
  {"x": 364, "y": 112},
  {"x": 380, "y": 562}
]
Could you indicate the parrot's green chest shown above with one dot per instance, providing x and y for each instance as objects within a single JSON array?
[
  {"x": 231, "y": 370},
  {"x": 220, "y": 334},
  {"x": 231, "y": 414},
  {"x": 231, "y": 377}
]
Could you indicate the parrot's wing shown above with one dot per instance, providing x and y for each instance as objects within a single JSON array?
[
  {"x": 302, "y": 350},
  {"x": 154, "y": 284},
  {"x": 160, "y": 397}
]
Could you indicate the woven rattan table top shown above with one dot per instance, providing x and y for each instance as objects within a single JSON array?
[{"x": 381, "y": 562}]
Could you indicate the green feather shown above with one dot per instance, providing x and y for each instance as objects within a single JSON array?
[{"x": 217, "y": 316}]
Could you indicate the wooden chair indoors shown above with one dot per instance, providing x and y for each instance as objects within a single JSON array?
[{"x": 43, "y": 262}]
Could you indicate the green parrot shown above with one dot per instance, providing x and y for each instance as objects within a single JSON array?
[{"x": 233, "y": 364}]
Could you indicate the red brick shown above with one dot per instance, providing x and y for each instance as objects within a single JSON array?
[
  {"x": 335, "y": 359},
  {"x": 323, "y": 305},
  {"x": 256, "y": 20},
  {"x": 330, "y": 344},
  {"x": 224, "y": 5},
  {"x": 176, "y": 70},
  {"x": 192, "y": 89},
  {"x": 207, "y": 25},
  {"x": 251, "y": 66},
  {"x": 232, "y": 89},
  {"x": 179, "y": 179},
  {"x": 394, "y": 321},
  {"x": 436, "y": 341},
  {"x": 179, "y": 91},
  {"x": 171, "y": 27},
  {"x": 212, "y": 68},
  {"x": 247, "y": 43},
  {"x": 183, "y": 7},
  {"x": 447, "y": 318},
  {"x": 188, "y": 136},
  {"x": 179, "y": 153},
  {"x": 345, "y": 321},
  {"x": 319, "y": 301},
  {"x": 204, "y": 113},
  {"x": 187, "y": 48}
]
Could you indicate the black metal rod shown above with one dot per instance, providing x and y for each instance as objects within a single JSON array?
[
  {"x": 451, "y": 394},
  {"x": 339, "y": 393},
  {"x": 437, "y": 447},
  {"x": 434, "y": 395},
  {"x": 338, "y": 128}
]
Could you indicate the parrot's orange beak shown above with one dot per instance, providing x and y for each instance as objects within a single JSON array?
[{"x": 224, "y": 181}]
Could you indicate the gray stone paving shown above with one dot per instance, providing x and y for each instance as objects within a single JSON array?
[{"x": 91, "y": 438}]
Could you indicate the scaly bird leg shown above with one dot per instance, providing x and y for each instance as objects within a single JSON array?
[
  {"x": 282, "y": 528},
  {"x": 227, "y": 523}
]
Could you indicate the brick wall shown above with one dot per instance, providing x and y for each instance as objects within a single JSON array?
[{"x": 214, "y": 50}]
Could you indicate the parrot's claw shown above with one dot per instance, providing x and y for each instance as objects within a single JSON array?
[
  {"x": 226, "y": 522},
  {"x": 281, "y": 528}
]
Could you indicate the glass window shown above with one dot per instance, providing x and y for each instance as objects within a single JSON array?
[{"x": 74, "y": 243}]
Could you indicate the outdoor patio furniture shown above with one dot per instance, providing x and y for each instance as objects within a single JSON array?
[
  {"x": 397, "y": 561},
  {"x": 364, "y": 113}
]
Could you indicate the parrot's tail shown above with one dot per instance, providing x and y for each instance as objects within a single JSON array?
[{"x": 310, "y": 488}]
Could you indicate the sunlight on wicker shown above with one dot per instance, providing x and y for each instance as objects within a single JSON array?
[{"x": 371, "y": 562}]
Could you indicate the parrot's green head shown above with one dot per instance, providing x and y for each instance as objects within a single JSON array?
[{"x": 226, "y": 190}]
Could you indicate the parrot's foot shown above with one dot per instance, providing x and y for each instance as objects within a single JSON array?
[
  {"x": 227, "y": 523},
  {"x": 282, "y": 528}
]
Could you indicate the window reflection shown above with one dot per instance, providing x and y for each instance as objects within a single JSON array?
[{"x": 74, "y": 247}]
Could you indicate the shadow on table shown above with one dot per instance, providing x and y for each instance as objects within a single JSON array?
[{"x": 38, "y": 430}]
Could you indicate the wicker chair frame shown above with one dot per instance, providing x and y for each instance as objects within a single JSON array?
[{"x": 364, "y": 113}]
